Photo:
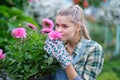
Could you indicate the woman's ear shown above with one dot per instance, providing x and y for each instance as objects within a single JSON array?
[{"x": 78, "y": 27}]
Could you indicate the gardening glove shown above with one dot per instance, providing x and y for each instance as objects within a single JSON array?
[{"x": 56, "y": 49}]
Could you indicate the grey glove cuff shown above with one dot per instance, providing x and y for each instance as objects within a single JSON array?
[{"x": 65, "y": 61}]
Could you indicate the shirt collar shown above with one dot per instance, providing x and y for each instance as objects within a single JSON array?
[{"x": 78, "y": 46}]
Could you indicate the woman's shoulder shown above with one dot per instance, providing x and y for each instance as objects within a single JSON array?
[{"x": 92, "y": 43}]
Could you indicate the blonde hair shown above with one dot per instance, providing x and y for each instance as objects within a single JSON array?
[{"x": 75, "y": 13}]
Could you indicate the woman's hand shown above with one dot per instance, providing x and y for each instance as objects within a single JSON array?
[{"x": 56, "y": 49}]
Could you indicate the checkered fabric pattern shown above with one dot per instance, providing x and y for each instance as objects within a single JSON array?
[
  {"x": 90, "y": 62},
  {"x": 56, "y": 49}
]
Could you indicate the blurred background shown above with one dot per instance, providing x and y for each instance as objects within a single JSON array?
[{"x": 103, "y": 23}]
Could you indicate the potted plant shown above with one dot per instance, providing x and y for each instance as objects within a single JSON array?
[{"x": 25, "y": 56}]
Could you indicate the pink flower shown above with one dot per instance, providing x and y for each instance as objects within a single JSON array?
[
  {"x": 2, "y": 56},
  {"x": 47, "y": 23},
  {"x": 54, "y": 35},
  {"x": 19, "y": 33},
  {"x": 31, "y": 26},
  {"x": 46, "y": 30}
]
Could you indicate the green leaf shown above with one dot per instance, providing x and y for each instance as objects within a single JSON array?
[
  {"x": 4, "y": 13},
  {"x": 28, "y": 19},
  {"x": 15, "y": 11},
  {"x": 27, "y": 67},
  {"x": 11, "y": 26},
  {"x": 4, "y": 8},
  {"x": 49, "y": 60}
]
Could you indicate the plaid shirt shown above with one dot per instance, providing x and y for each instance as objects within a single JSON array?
[{"x": 91, "y": 61}]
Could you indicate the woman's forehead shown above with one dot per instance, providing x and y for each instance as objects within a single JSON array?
[{"x": 62, "y": 19}]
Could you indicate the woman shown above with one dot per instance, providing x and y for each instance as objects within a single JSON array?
[{"x": 80, "y": 57}]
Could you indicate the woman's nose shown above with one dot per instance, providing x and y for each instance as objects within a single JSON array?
[{"x": 59, "y": 29}]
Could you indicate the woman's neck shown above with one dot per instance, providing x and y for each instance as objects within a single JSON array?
[
  {"x": 71, "y": 44},
  {"x": 73, "y": 41}
]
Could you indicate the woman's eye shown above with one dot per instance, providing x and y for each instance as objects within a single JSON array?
[
  {"x": 57, "y": 25},
  {"x": 65, "y": 26}
]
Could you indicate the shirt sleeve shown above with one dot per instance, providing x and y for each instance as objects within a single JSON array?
[{"x": 94, "y": 63}]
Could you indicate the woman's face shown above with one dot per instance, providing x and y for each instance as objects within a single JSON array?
[{"x": 66, "y": 28}]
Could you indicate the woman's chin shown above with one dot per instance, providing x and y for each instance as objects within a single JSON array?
[{"x": 62, "y": 39}]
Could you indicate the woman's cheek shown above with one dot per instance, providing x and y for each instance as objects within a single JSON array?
[{"x": 64, "y": 38}]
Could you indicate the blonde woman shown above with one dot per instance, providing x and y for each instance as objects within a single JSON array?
[{"x": 80, "y": 57}]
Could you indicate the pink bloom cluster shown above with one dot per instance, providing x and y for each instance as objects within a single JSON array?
[
  {"x": 47, "y": 23},
  {"x": 19, "y": 33},
  {"x": 54, "y": 35},
  {"x": 31, "y": 26},
  {"x": 2, "y": 56},
  {"x": 48, "y": 28}
]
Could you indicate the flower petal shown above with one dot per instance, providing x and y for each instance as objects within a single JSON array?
[
  {"x": 19, "y": 33},
  {"x": 48, "y": 23},
  {"x": 46, "y": 30}
]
